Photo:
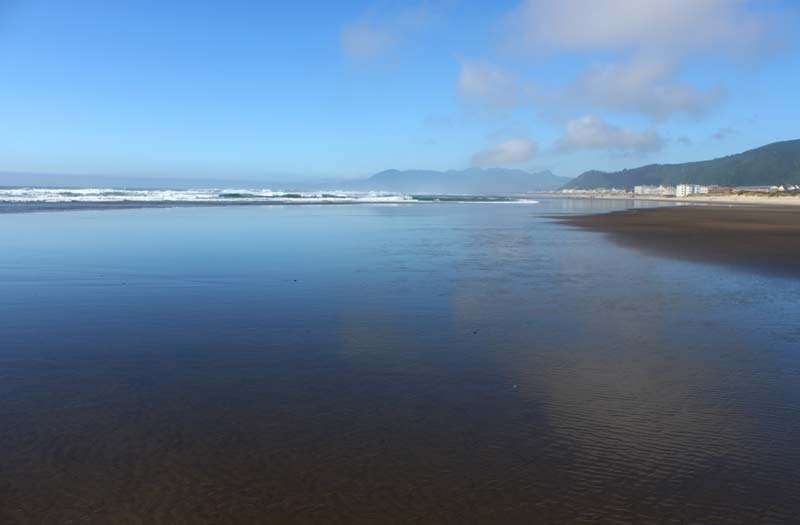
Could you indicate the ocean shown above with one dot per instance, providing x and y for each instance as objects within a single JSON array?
[{"x": 387, "y": 360}]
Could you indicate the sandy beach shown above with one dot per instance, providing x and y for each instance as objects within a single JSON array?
[
  {"x": 760, "y": 238},
  {"x": 749, "y": 200}
]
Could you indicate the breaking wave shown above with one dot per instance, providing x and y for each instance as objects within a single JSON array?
[{"x": 112, "y": 195}]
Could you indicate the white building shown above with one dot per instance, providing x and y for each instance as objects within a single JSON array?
[
  {"x": 658, "y": 191},
  {"x": 684, "y": 190},
  {"x": 594, "y": 191}
]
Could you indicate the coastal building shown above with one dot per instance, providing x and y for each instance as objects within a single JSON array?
[
  {"x": 757, "y": 189},
  {"x": 719, "y": 190},
  {"x": 595, "y": 191},
  {"x": 684, "y": 190},
  {"x": 570, "y": 191},
  {"x": 656, "y": 191}
]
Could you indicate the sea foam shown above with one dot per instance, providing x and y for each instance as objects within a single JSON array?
[{"x": 231, "y": 195}]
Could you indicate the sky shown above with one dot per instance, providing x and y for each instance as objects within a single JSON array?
[{"x": 334, "y": 90}]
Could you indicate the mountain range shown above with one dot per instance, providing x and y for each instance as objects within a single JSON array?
[
  {"x": 490, "y": 181},
  {"x": 773, "y": 164}
]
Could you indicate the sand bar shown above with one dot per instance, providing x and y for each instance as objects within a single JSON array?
[
  {"x": 749, "y": 200},
  {"x": 757, "y": 238}
]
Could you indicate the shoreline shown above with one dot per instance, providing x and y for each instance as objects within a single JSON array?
[
  {"x": 9, "y": 208},
  {"x": 36, "y": 207},
  {"x": 741, "y": 200},
  {"x": 765, "y": 239}
]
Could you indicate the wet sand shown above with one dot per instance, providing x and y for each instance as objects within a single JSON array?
[
  {"x": 766, "y": 200},
  {"x": 763, "y": 239},
  {"x": 385, "y": 365},
  {"x": 32, "y": 207}
]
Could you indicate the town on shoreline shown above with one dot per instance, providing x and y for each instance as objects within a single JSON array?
[{"x": 769, "y": 195}]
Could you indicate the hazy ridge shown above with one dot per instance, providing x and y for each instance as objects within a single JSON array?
[{"x": 473, "y": 181}]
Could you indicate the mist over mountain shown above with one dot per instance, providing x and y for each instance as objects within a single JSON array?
[
  {"x": 773, "y": 164},
  {"x": 50, "y": 180},
  {"x": 473, "y": 181}
]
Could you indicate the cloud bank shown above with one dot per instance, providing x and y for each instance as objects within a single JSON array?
[
  {"x": 674, "y": 27},
  {"x": 632, "y": 56}
]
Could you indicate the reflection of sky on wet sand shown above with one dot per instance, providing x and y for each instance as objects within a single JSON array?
[
  {"x": 400, "y": 363},
  {"x": 630, "y": 370},
  {"x": 631, "y": 380}
]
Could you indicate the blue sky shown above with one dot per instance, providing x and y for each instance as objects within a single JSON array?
[{"x": 308, "y": 90}]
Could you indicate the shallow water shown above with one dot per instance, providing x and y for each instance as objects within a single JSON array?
[{"x": 386, "y": 363}]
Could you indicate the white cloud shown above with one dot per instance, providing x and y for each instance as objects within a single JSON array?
[
  {"x": 645, "y": 45},
  {"x": 724, "y": 133},
  {"x": 375, "y": 35},
  {"x": 366, "y": 41},
  {"x": 485, "y": 85},
  {"x": 642, "y": 86},
  {"x": 670, "y": 26},
  {"x": 590, "y": 132},
  {"x": 512, "y": 151}
]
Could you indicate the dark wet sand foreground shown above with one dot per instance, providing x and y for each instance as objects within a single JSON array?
[
  {"x": 428, "y": 364},
  {"x": 764, "y": 239}
]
